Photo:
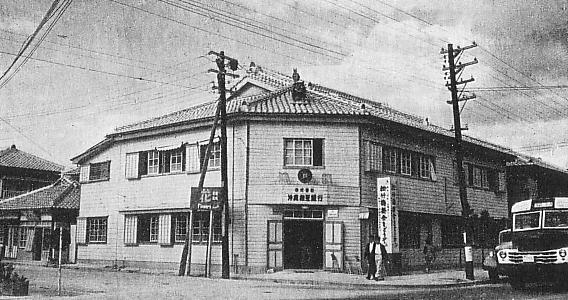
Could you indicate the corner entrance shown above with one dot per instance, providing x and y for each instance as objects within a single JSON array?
[{"x": 303, "y": 244}]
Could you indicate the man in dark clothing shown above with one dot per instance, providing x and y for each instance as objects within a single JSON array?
[
  {"x": 375, "y": 253},
  {"x": 370, "y": 257}
]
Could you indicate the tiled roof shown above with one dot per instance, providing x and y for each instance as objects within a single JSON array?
[
  {"x": 63, "y": 194},
  {"x": 320, "y": 100},
  {"x": 14, "y": 158},
  {"x": 526, "y": 160}
]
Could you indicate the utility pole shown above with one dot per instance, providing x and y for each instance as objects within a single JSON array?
[
  {"x": 455, "y": 70},
  {"x": 224, "y": 194}
]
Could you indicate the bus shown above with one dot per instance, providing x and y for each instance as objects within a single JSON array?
[{"x": 539, "y": 243}]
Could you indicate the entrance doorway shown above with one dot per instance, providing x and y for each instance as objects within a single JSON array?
[{"x": 303, "y": 244}]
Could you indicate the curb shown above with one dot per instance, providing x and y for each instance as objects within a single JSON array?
[{"x": 367, "y": 285}]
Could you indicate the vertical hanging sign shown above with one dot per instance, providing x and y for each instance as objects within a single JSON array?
[{"x": 387, "y": 215}]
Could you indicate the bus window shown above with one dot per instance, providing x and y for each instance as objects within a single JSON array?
[
  {"x": 526, "y": 221},
  {"x": 556, "y": 219}
]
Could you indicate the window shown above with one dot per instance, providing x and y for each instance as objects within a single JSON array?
[
  {"x": 23, "y": 237},
  {"x": 96, "y": 230},
  {"x": 405, "y": 163},
  {"x": 201, "y": 226},
  {"x": 481, "y": 177},
  {"x": 176, "y": 161},
  {"x": 180, "y": 227},
  {"x": 214, "y": 156},
  {"x": 303, "y": 152},
  {"x": 99, "y": 171},
  {"x": 148, "y": 226},
  {"x": 424, "y": 166},
  {"x": 409, "y": 163},
  {"x": 390, "y": 157},
  {"x": 526, "y": 221},
  {"x": 409, "y": 230},
  {"x": 556, "y": 219},
  {"x": 160, "y": 162},
  {"x": 153, "y": 162},
  {"x": 452, "y": 233}
]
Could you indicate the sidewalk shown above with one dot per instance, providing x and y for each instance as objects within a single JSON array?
[
  {"x": 417, "y": 279},
  {"x": 436, "y": 278}
]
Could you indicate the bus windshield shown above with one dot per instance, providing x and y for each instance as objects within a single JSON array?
[
  {"x": 556, "y": 219},
  {"x": 526, "y": 221}
]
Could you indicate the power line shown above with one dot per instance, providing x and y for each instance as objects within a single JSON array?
[
  {"x": 211, "y": 32},
  {"x": 28, "y": 42},
  {"x": 98, "y": 71},
  {"x": 26, "y": 137},
  {"x": 296, "y": 42}
]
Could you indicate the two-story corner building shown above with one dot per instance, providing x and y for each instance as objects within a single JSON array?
[
  {"x": 311, "y": 172},
  {"x": 21, "y": 172}
]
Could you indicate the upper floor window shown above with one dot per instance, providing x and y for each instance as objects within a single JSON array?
[
  {"x": 409, "y": 163},
  {"x": 99, "y": 171},
  {"x": 156, "y": 162},
  {"x": 303, "y": 152},
  {"x": 481, "y": 177},
  {"x": 214, "y": 155}
]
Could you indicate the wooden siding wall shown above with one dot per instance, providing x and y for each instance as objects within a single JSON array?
[
  {"x": 107, "y": 198},
  {"x": 425, "y": 196},
  {"x": 341, "y": 157}
]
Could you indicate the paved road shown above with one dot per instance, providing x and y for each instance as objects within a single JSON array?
[{"x": 97, "y": 284}]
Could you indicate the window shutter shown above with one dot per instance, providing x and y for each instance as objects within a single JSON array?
[
  {"x": 84, "y": 173},
  {"x": 502, "y": 182},
  {"x": 132, "y": 162},
  {"x": 367, "y": 155},
  {"x": 432, "y": 170},
  {"x": 318, "y": 152},
  {"x": 192, "y": 156},
  {"x": 130, "y": 228},
  {"x": 81, "y": 231},
  {"x": 165, "y": 230},
  {"x": 142, "y": 163}
]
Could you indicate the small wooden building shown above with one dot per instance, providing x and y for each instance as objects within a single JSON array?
[{"x": 30, "y": 223}]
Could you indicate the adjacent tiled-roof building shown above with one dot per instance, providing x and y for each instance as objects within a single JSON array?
[
  {"x": 22, "y": 172},
  {"x": 15, "y": 158}
]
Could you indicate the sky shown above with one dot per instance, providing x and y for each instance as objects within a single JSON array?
[{"x": 107, "y": 63}]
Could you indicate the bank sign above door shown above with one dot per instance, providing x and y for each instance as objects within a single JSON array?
[
  {"x": 209, "y": 198},
  {"x": 304, "y": 194},
  {"x": 387, "y": 215}
]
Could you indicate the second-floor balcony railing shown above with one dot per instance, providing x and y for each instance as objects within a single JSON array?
[{"x": 10, "y": 193}]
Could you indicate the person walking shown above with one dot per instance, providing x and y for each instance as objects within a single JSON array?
[
  {"x": 381, "y": 258},
  {"x": 429, "y": 253},
  {"x": 375, "y": 253}
]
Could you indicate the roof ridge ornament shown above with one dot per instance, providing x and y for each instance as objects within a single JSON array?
[{"x": 298, "y": 88}]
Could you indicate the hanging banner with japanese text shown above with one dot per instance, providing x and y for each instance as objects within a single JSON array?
[{"x": 387, "y": 214}]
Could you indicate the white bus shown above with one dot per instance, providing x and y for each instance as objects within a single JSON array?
[{"x": 539, "y": 243}]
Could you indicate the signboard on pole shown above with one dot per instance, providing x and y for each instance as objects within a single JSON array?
[
  {"x": 209, "y": 199},
  {"x": 387, "y": 215}
]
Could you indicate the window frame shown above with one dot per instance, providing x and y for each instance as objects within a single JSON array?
[
  {"x": 303, "y": 152},
  {"x": 200, "y": 234},
  {"x": 23, "y": 233},
  {"x": 148, "y": 228},
  {"x": 179, "y": 234},
  {"x": 408, "y": 163},
  {"x": 176, "y": 161},
  {"x": 99, "y": 171},
  {"x": 153, "y": 162},
  {"x": 99, "y": 224}
]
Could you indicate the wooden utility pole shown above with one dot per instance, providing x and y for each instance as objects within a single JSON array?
[
  {"x": 454, "y": 68},
  {"x": 224, "y": 193},
  {"x": 185, "y": 261}
]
